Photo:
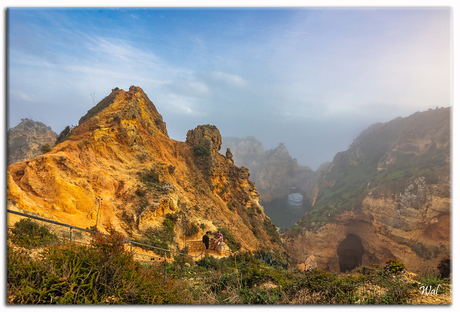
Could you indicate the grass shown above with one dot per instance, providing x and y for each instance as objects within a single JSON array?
[{"x": 105, "y": 273}]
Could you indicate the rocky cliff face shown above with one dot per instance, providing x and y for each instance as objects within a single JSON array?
[
  {"x": 274, "y": 171},
  {"x": 387, "y": 196},
  {"x": 26, "y": 140},
  {"x": 121, "y": 153}
]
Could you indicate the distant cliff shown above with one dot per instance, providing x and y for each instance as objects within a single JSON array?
[
  {"x": 274, "y": 171},
  {"x": 387, "y": 196},
  {"x": 25, "y": 141}
]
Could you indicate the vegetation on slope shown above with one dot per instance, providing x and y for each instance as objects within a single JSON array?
[
  {"x": 105, "y": 273},
  {"x": 353, "y": 182}
]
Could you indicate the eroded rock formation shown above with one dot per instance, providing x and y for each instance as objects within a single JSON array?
[
  {"x": 25, "y": 141},
  {"x": 121, "y": 153},
  {"x": 387, "y": 196},
  {"x": 274, "y": 171}
]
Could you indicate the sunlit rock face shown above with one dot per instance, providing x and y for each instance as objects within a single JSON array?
[{"x": 120, "y": 152}]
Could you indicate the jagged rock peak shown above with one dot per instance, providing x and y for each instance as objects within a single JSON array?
[
  {"x": 129, "y": 105},
  {"x": 205, "y": 135},
  {"x": 279, "y": 152}
]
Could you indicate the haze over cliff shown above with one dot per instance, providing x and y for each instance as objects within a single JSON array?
[
  {"x": 274, "y": 171},
  {"x": 26, "y": 140},
  {"x": 121, "y": 152},
  {"x": 387, "y": 196}
]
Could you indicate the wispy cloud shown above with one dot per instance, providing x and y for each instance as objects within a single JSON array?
[{"x": 307, "y": 71}]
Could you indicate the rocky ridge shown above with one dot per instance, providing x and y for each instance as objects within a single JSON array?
[
  {"x": 120, "y": 152},
  {"x": 387, "y": 196}
]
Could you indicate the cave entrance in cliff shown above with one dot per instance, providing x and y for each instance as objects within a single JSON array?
[{"x": 350, "y": 252}]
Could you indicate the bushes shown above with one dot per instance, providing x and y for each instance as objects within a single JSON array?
[
  {"x": 29, "y": 234},
  {"x": 45, "y": 148},
  {"x": 161, "y": 237},
  {"x": 200, "y": 150},
  {"x": 191, "y": 229},
  {"x": 149, "y": 177},
  {"x": 444, "y": 268},
  {"x": 394, "y": 266},
  {"x": 268, "y": 258},
  {"x": 103, "y": 273}
]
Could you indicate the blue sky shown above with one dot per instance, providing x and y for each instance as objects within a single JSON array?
[{"x": 312, "y": 78}]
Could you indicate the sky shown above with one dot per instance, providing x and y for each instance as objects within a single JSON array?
[{"x": 312, "y": 78}]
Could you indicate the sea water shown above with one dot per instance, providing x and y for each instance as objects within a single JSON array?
[{"x": 284, "y": 212}]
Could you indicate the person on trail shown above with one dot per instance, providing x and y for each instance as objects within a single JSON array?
[
  {"x": 217, "y": 239},
  {"x": 206, "y": 242}
]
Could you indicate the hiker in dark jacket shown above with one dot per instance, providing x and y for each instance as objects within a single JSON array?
[{"x": 206, "y": 241}]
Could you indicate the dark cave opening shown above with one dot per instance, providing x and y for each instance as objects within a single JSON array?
[{"x": 350, "y": 252}]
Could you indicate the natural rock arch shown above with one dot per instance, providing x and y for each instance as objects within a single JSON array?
[{"x": 350, "y": 252}]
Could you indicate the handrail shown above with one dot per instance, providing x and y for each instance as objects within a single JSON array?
[
  {"x": 50, "y": 221},
  {"x": 94, "y": 232}
]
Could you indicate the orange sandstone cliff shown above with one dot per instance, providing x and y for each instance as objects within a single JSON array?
[{"x": 119, "y": 145}]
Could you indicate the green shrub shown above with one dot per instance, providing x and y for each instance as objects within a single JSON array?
[
  {"x": 211, "y": 263},
  {"x": 261, "y": 296},
  {"x": 45, "y": 148},
  {"x": 109, "y": 244},
  {"x": 191, "y": 229},
  {"x": 172, "y": 216},
  {"x": 444, "y": 267},
  {"x": 200, "y": 150},
  {"x": 29, "y": 234},
  {"x": 394, "y": 266},
  {"x": 267, "y": 257},
  {"x": 169, "y": 225},
  {"x": 159, "y": 237},
  {"x": 149, "y": 177}
]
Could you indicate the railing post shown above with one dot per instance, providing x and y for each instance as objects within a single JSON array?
[
  {"x": 71, "y": 236},
  {"x": 164, "y": 283}
]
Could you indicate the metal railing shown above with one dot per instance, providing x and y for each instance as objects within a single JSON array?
[{"x": 127, "y": 241}]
